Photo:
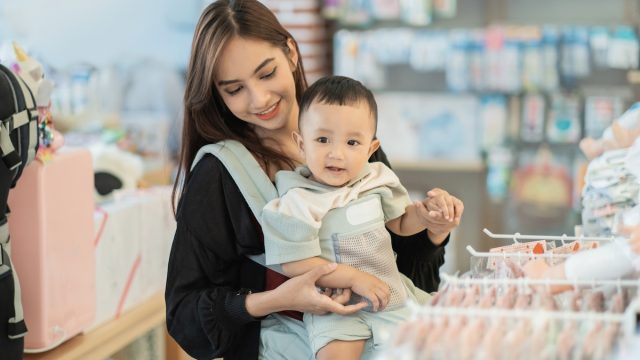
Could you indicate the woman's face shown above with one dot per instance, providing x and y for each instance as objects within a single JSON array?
[{"x": 255, "y": 80}]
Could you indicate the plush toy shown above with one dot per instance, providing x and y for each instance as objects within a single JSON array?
[
  {"x": 621, "y": 134},
  {"x": 115, "y": 170},
  {"x": 32, "y": 73}
]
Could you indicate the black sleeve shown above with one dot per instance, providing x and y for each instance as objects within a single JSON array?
[
  {"x": 418, "y": 258},
  {"x": 205, "y": 314}
]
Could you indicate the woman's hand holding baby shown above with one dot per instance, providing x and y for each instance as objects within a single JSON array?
[{"x": 301, "y": 294}]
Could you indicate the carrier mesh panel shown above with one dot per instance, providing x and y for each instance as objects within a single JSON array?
[{"x": 371, "y": 252}]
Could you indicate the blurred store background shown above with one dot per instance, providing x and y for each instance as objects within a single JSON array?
[{"x": 487, "y": 99}]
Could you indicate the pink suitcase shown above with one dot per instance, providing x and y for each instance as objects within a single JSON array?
[{"x": 51, "y": 227}]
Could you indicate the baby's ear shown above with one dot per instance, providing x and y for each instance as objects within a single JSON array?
[
  {"x": 298, "y": 140},
  {"x": 375, "y": 145}
]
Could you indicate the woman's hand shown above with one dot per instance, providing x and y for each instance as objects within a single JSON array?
[
  {"x": 442, "y": 213},
  {"x": 301, "y": 294}
]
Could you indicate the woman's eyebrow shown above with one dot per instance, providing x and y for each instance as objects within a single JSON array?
[{"x": 262, "y": 64}]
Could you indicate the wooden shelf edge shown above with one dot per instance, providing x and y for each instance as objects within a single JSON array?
[
  {"x": 633, "y": 77},
  {"x": 439, "y": 165},
  {"x": 107, "y": 339}
]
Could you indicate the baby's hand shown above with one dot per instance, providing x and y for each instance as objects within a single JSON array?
[
  {"x": 372, "y": 288},
  {"x": 449, "y": 206},
  {"x": 440, "y": 206}
]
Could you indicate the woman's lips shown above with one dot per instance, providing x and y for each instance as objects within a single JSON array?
[{"x": 269, "y": 113}]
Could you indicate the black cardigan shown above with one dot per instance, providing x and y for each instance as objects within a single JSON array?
[{"x": 208, "y": 265}]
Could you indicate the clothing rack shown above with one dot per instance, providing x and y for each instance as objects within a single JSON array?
[
  {"x": 454, "y": 280},
  {"x": 426, "y": 311},
  {"x": 518, "y": 255},
  {"x": 517, "y": 236}
]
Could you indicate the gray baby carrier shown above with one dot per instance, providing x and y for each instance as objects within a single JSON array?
[{"x": 365, "y": 246}]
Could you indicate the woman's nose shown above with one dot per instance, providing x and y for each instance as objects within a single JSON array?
[{"x": 259, "y": 98}]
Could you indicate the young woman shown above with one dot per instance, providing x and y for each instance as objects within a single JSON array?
[{"x": 244, "y": 81}]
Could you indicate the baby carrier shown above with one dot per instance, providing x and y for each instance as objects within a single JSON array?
[
  {"x": 346, "y": 245},
  {"x": 18, "y": 145},
  {"x": 255, "y": 186}
]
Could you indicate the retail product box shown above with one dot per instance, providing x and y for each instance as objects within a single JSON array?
[
  {"x": 51, "y": 226},
  {"x": 132, "y": 243},
  {"x": 415, "y": 127}
]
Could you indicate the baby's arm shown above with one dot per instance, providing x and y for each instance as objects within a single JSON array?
[
  {"x": 440, "y": 212},
  {"x": 418, "y": 216},
  {"x": 412, "y": 221},
  {"x": 344, "y": 277}
]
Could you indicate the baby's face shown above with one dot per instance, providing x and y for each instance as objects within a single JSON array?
[{"x": 336, "y": 141}]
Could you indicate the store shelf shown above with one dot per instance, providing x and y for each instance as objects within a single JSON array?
[
  {"x": 439, "y": 165},
  {"x": 633, "y": 77},
  {"x": 107, "y": 339}
]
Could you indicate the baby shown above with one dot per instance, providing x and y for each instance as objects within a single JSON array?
[{"x": 336, "y": 208}]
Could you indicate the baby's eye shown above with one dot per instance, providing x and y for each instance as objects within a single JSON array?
[
  {"x": 353, "y": 142},
  {"x": 322, "y": 140}
]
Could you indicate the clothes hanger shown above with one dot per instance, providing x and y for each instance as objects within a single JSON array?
[
  {"x": 619, "y": 283},
  {"x": 517, "y": 236}
]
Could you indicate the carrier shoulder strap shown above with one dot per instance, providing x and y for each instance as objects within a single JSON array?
[{"x": 254, "y": 184}]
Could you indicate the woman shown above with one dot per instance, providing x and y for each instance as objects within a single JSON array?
[{"x": 243, "y": 83}]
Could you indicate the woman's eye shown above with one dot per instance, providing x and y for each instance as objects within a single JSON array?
[
  {"x": 353, "y": 142},
  {"x": 234, "y": 91},
  {"x": 270, "y": 75},
  {"x": 322, "y": 140}
]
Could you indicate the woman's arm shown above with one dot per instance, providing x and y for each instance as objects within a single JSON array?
[
  {"x": 341, "y": 278},
  {"x": 300, "y": 294},
  {"x": 206, "y": 312}
]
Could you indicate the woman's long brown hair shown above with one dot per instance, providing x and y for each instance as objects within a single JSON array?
[{"x": 206, "y": 118}]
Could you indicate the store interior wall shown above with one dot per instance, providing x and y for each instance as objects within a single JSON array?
[{"x": 101, "y": 32}]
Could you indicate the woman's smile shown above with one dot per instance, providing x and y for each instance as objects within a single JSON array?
[{"x": 270, "y": 113}]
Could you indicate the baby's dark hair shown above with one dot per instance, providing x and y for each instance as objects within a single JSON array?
[{"x": 338, "y": 90}]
